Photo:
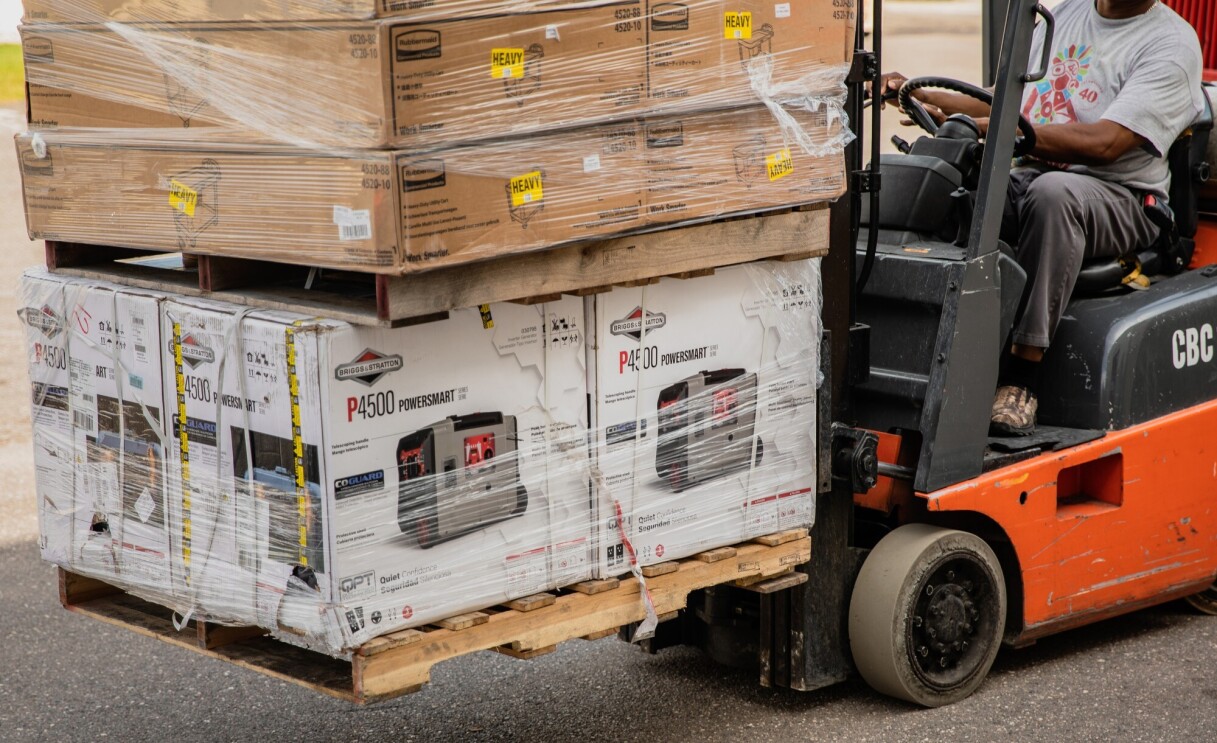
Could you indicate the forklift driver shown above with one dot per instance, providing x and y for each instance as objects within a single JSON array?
[{"x": 1124, "y": 83}]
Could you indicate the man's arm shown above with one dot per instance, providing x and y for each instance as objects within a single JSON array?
[
  {"x": 1100, "y": 143},
  {"x": 944, "y": 100}
]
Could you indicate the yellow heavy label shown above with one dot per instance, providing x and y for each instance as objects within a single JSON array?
[
  {"x": 505, "y": 63},
  {"x": 779, "y": 164},
  {"x": 737, "y": 25},
  {"x": 183, "y": 198},
  {"x": 526, "y": 189}
]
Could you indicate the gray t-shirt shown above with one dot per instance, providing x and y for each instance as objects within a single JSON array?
[{"x": 1143, "y": 73}]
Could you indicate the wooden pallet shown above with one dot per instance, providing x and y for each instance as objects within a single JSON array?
[
  {"x": 400, "y": 663},
  {"x": 370, "y": 299}
]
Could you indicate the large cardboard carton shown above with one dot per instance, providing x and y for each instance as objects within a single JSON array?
[
  {"x": 424, "y": 84},
  {"x": 342, "y": 84},
  {"x": 94, "y": 356},
  {"x": 704, "y": 397},
  {"x": 96, "y": 11},
  {"x": 700, "y": 53},
  {"x": 375, "y": 479},
  {"x": 712, "y": 164},
  {"x": 368, "y": 211},
  {"x": 398, "y": 213}
]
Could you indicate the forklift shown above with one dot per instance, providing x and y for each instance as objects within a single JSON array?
[{"x": 934, "y": 543}]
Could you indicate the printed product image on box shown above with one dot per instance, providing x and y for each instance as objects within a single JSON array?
[
  {"x": 706, "y": 427},
  {"x": 457, "y": 476}
]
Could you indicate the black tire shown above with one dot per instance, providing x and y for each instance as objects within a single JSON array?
[
  {"x": 927, "y": 615},
  {"x": 1204, "y": 602}
]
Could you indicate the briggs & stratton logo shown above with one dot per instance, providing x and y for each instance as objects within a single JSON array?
[
  {"x": 358, "y": 586},
  {"x": 633, "y": 324},
  {"x": 44, "y": 320},
  {"x": 368, "y": 367},
  {"x": 195, "y": 353}
]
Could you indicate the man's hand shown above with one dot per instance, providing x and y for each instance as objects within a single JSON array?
[{"x": 889, "y": 85}]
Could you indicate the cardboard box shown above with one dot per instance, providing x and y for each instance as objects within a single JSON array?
[
  {"x": 700, "y": 52},
  {"x": 96, "y": 11},
  {"x": 94, "y": 358},
  {"x": 342, "y": 84},
  {"x": 370, "y": 211},
  {"x": 423, "y": 85},
  {"x": 704, "y": 411},
  {"x": 377, "y": 479},
  {"x": 713, "y": 164},
  {"x": 398, "y": 213}
]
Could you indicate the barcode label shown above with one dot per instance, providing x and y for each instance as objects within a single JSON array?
[
  {"x": 353, "y": 224},
  {"x": 82, "y": 420},
  {"x": 355, "y": 231}
]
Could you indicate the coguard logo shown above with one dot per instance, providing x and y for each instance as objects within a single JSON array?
[
  {"x": 634, "y": 324},
  {"x": 368, "y": 367},
  {"x": 368, "y": 482},
  {"x": 358, "y": 586},
  {"x": 423, "y": 174},
  {"x": 44, "y": 320},
  {"x": 195, "y": 353},
  {"x": 670, "y": 17},
  {"x": 420, "y": 44},
  {"x": 665, "y": 135}
]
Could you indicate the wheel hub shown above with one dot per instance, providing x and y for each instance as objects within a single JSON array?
[{"x": 948, "y": 617}]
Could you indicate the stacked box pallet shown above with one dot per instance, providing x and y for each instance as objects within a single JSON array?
[
  {"x": 408, "y": 143},
  {"x": 328, "y": 482}
]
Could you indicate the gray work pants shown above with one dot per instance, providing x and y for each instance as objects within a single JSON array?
[{"x": 1055, "y": 220}]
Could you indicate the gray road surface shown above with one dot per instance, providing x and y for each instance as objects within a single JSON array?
[{"x": 1151, "y": 676}]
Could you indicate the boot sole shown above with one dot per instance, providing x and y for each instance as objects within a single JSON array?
[{"x": 1005, "y": 429}]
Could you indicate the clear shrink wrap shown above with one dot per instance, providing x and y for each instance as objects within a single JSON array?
[
  {"x": 399, "y": 212},
  {"x": 432, "y": 79},
  {"x": 331, "y": 483}
]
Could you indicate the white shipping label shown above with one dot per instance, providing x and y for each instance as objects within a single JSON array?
[
  {"x": 551, "y": 32},
  {"x": 527, "y": 571},
  {"x": 353, "y": 224},
  {"x": 569, "y": 561},
  {"x": 83, "y": 396},
  {"x": 781, "y": 10},
  {"x": 591, "y": 163}
]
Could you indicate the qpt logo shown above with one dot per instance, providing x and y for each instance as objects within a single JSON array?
[
  {"x": 358, "y": 586},
  {"x": 195, "y": 353},
  {"x": 637, "y": 322},
  {"x": 44, "y": 320},
  {"x": 368, "y": 367}
]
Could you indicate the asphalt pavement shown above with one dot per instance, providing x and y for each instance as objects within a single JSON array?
[{"x": 1149, "y": 676}]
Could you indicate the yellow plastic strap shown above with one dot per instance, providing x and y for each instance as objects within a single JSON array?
[
  {"x": 302, "y": 504},
  {"x": 183, "y": 442}
]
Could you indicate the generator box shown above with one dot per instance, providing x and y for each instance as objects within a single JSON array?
[
  {"x": 95, "y": 365},
  {"x": 373, "y": 479},
  {"x": 704, "y": 411}
]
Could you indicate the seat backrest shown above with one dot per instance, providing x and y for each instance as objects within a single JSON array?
[{"x": 1189, "y": 170}]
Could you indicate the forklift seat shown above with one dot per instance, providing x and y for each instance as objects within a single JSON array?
[{"x": 1178, "y": 223}]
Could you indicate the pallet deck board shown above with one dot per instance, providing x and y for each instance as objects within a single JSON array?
[
  {"x": 389, "y": 300},
  {"x": 401, "y": 662}
]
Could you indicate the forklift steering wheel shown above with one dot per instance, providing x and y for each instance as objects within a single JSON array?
[{"x": 1023, "y": 145}]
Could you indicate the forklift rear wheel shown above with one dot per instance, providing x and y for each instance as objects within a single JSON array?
[
  {"x": 1205, "y": 602},
  {"x": 927, "y": 614}
]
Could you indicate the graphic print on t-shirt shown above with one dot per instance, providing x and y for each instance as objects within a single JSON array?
[{"x": 1051, "y": 100}]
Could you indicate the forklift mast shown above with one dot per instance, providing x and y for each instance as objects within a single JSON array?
[{"x": 804, "y": 643}]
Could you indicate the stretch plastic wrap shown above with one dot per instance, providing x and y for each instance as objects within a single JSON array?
[
  {"x": 331, "y": 483},
  {"x": 426, "y": 81},
  {"x": 394, "y": 212}
]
